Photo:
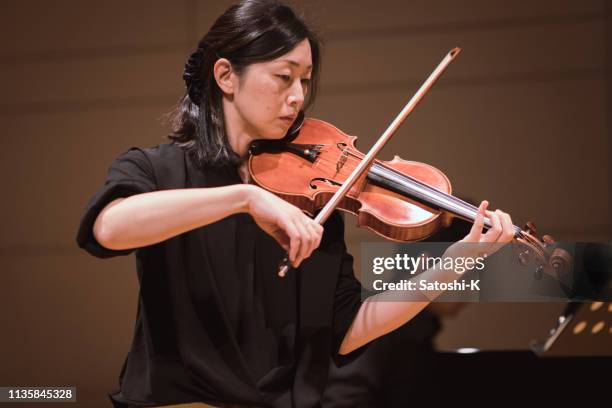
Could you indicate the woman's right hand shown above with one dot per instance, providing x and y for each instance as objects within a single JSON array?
[{"x": 297, "y": 233}]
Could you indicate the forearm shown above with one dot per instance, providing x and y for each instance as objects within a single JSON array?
[
  {"x": 386, "y": 311},
  {"x": 148, "y": 218}
]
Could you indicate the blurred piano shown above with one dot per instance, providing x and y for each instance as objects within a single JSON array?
[{"x": 571, "y": 367}]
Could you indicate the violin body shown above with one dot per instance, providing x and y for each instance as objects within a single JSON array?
[
  {"x": 400, "y": 200},
  {"x": 312, "y": 166}
]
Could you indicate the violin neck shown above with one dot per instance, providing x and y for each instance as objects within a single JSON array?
[{"x": 409, "y": 187}]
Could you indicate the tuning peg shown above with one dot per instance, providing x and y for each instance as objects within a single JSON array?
[
  {"x": 548, "y": 240},
  {"x": 530, "y": 227}
]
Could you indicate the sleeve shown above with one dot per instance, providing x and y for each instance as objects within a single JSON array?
[
  {"x": 130, "y": 173},
  {"x": 347, "y": 297}
]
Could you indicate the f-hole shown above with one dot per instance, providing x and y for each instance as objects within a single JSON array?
[{"x": 325, "y": 180}]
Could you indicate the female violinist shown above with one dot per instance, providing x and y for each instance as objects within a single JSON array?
[{"x": 215, "y": 324}]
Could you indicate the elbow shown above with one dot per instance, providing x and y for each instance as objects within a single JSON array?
[
  {"x": 104, "y": 235},
  {"x": 344, "y": 351},
  {"x": 345, "y": 347},
  {"x": 105, "y": 231}
]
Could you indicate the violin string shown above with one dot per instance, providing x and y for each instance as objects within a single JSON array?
[
  {"x": 433, "y": 191},
  {"x": 407, "y": 181},
  {"x": 472, "y": 209},
  {"x": 343, "y": 171},
  {"x": 416, "y": 187},
  {"x": 432, "y": 194},
  {"x": 413, "y": 183}
]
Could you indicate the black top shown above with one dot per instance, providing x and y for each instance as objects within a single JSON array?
[{"x": 214, "y": 321}]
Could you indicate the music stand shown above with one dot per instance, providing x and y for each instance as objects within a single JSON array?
[{"x": 584, "y": 329}]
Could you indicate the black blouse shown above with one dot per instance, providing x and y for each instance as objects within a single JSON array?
[{"x": 214, "y": 321}]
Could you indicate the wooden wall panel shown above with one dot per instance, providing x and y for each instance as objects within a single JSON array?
[
  {"x": 371, "y": 17},
  {"x": 59, "y": 162},
  {"x": 71, "y": 29},
  {"x": 516, "y": 53},
  {"x": 69, "y": 319},
  {"x": 80, "y": 83}
]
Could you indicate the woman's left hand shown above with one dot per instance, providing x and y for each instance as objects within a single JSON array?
[{"x": 501, "y": 231}]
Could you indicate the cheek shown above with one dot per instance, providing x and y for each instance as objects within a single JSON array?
[
  {"x": 267, "y": 97},
  {"x": 261, "y": 103}
]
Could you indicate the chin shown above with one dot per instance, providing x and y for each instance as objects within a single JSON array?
[{"x": 273, "y": 132}]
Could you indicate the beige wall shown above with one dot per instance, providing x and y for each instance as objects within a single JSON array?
[{"x": 521, "y": 118}]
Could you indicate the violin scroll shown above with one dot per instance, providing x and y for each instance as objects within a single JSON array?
[{"x": 549, "y": 258}]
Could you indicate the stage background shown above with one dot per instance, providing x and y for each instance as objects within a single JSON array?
[{"x": 521, "y": 118}]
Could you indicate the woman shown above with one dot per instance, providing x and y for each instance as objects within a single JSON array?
[{"x": 215, "y": 323}]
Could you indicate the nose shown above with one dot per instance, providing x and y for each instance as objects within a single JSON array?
[{"x": 296, "y": 94}]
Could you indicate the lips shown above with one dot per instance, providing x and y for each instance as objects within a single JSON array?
[{"x": 288, "y": 119}]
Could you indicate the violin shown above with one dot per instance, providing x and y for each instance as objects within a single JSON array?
[{"x": 317, "y": 166}]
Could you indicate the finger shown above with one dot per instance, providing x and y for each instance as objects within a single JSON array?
[
  {"x": 319, "y": 230},
  {"x": 476, "y": 230},
  {"x": 304, "y": 237},
  {"x": 294, "y": 239},
  {"x": 512, "y": 227},
  {"x": 315, "y": 236},
  {"x": 285, "y": 246},
  {"x": 507, "y": 226},
  {"x": 493, "y": 234},
  {"x": 282, "y": 238},
  {"x": 311, "y": 236},
  {"x": 311, "y": 239}
]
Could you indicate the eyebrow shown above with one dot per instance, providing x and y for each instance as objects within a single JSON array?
[{"x": 295, "y": 63}]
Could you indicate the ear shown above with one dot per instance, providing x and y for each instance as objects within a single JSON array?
[{"x": 225, "y": 75}]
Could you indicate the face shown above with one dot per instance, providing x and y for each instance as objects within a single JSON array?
[{"x": 270, "y": 94}]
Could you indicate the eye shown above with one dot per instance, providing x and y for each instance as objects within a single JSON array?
[
  {"x": 305, "y": 81},
  {"x": 285, "y": 78}
]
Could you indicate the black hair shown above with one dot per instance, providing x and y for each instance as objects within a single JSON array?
[{"x": 248, "y": 32}]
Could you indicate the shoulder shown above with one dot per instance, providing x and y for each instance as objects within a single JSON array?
[
  {"x": 158, "y": 153},
  {"x": 150, "y": 155},
  {"x": 162, "y": 164},
  {"x": 159, "y": 158}
]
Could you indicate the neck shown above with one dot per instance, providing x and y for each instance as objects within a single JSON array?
[{"x": 239, "y": 133}]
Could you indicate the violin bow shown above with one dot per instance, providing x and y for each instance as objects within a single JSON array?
[{"x": 375, "y": 149}]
